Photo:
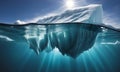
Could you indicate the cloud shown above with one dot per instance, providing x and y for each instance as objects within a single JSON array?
[
  {"x": 20, "y": 22},
  {"x": 111, "y": 19}
]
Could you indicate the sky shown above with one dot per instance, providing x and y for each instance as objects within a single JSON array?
[{"x": 29, "y": 10}]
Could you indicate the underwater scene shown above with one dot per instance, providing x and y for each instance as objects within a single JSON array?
[{"x": 64, "y": 47}]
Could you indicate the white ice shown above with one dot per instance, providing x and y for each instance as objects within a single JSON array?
[{"x": 87, "y": 14}]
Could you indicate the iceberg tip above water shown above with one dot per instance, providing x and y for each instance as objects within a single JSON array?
[{"x": 86, "y": 14}]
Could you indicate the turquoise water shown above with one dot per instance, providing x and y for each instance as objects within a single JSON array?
[{"x": 102, "y": 56}]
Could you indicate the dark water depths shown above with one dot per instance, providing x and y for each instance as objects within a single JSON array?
[{"x": 60, "y": 48}]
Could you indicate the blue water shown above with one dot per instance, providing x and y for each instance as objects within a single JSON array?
[{"x": 16, "y": 56}]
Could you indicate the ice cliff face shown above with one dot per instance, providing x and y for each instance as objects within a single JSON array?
[{"x": 87, "y": 14}]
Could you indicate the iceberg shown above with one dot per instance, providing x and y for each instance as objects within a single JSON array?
[{"x": 67, "y": 31}]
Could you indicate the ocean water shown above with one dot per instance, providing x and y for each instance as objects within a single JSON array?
[{"x": 73, "y": 47}]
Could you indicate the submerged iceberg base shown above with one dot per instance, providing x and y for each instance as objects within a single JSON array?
[{"x": 70, "y": 39}]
